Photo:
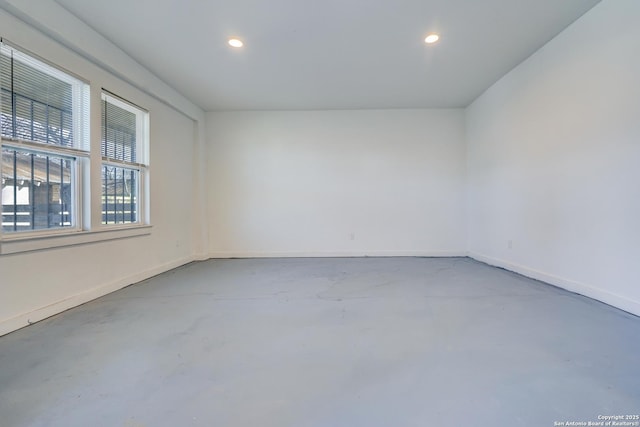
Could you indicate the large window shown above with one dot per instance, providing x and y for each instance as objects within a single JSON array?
[
  {"x": 49, "y": 165},
  {"x": 45, "y": 143},
  {"x": 124, "y": 133}
]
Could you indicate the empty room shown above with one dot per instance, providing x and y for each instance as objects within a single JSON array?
[{"x": 332, "y": 213}]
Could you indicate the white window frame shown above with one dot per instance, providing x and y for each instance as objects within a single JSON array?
[
  {"x": 87, "y": 194},
  {"x": 142, "y": 159},
  {"x": 79, "y": 153}
]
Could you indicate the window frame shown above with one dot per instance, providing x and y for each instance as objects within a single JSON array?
[
  {"x": 142, "y": 159},
  {"x": 79, "y": 153},
  {"x": 87, "y": 194}
]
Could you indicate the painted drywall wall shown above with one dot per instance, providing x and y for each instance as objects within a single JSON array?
[
  {"x": 38, "y": 284},
  {"x": 553, "y": 152},
  {"x": 50, "y": 18},
  {"x": 326, "y": 183}
]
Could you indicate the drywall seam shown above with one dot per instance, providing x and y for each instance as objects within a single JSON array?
[
  {"x": 617, "y": 301},
  {"x": 26, "y": 319}
]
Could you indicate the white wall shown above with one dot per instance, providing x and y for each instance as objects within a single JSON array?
[
  {"x": 320, "y": 183},
  {"x": 553, "y": 160},
  {"x": 38, "y": 284}
]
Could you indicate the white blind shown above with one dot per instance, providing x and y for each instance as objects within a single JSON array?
[
  {"x": 119, "y": 132},
  {"x": 40, "y": 103}
]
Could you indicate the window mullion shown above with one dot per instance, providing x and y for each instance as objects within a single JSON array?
[{"x": 93, "y": 180}]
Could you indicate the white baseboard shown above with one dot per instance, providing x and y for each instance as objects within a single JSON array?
[
  {"x": 333, "y": 254},
  {"x": 26, "y": 319},
  {"x": 200, "y": 257},
  {"x": 618, "y": 301}
]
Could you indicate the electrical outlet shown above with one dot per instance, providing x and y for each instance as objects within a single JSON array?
[
  {"x": 510, "y": 244},
  {"x": 352, "y": 236}
]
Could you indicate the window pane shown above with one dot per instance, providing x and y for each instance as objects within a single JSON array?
[
  {"x": 119, "y": 195},
  {"x": 36, "y": 106},
  {"x": 37, "y": 191},
  {"x": 118, "y": 133},
  {"x": 40, "y": 104}
]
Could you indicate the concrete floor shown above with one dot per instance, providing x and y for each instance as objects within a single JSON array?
[{"x": 325, "y": 342}]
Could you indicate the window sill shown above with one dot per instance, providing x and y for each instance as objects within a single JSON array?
[{"x": 16, "y": 245}]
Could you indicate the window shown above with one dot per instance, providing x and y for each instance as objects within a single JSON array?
[
  {"x": 124, "y": 165},
  {"x": 59, "y": 177},
  {"x": 44, "y": 120}
]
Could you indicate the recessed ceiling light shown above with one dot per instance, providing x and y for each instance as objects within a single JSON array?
[
  {"x": 235, "y": 42},
  {"x": 432, "y": 38}
]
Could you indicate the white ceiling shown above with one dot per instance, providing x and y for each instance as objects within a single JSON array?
[{"x": 329, "y": 54}]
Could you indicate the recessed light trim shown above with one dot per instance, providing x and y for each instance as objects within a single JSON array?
[
  {"x": 234, "y": 42},
  {"x": 432, "y": 38}
]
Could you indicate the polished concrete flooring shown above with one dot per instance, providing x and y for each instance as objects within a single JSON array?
[{"x": 325, "y": 342}]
